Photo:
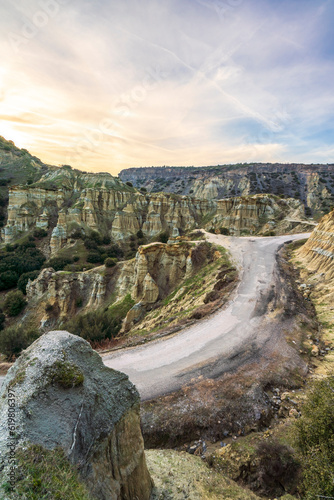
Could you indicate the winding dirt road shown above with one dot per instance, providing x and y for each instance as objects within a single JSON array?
[{"x": 216, "y": 344}]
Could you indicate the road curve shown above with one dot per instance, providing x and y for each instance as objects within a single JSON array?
[{"x": 209, "y": 346}]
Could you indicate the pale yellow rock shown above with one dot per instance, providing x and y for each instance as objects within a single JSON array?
[
  {"x": 318, "y": 251},
  {"x": 150, "y": 290}
]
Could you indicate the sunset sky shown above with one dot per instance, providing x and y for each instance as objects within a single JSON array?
[{"x": 105, "y": 85}]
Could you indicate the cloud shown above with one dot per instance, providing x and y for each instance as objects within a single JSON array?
[{"x": 109, "y": 85}]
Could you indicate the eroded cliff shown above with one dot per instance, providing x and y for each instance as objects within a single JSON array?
[
  {"x": 311, "y": 184},
  {"x": 260, "y": 214},
  {"x": 118, "y": 213},
  {"x": 121, "y": 214},
  {"x": 318, "y": 252},
  {"x": 156, "y": 271}
]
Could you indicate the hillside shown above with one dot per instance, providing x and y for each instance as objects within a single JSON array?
[{"x": 312, "y": 184}]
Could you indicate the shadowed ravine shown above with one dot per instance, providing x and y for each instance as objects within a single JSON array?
[{"x": 219, "y": 343}]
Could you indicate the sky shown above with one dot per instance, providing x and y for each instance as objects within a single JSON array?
[{"x": 104, "y": 85}]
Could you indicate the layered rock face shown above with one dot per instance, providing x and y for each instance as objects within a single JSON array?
[
  {"x": 114, "y": 212},
  {"x": 318, "y": 252},
  {"x": 63, "y": 292},
  {"x": 260, "y": 214},
  {"x": 30, "y": 207},
  {"x": 312, "y": 184},
  {"x": 157, "y": 269},
  {"x": 65, "y": 397}
]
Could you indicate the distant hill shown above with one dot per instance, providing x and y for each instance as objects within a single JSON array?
[{"x": 312, "y": 184}]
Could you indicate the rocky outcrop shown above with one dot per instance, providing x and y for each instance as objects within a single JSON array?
[
  {"x": 65, "y": 397},
  {"x": 318, "y": 252},
  {"x": 260, "y": 214},
  {"x": 57, "y": 296},
  {"x": 311, "y": 184},
  {"x": 157, "y": 269},
  {"x": 28, "y": 208},
  {"x": 114, "y": 212}
]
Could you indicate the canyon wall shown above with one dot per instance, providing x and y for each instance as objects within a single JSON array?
[
  {"x": 260, "y": 214},
  {"x": 114, "y": 212},
  {"x": 318, "y": 252},
  {"x": 121, "y": 214},
  {"x": 311, "y": 184},
  {"x": 157, "y": 269}
]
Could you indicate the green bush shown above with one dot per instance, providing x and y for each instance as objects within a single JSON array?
[
  {"x": 59, "y": 263},
  {"x": 94, "y": 326},
  {"x": 94, "y": 257},
  {"x": 26, "y": 258},
  {"x": 277, "y": 469},
  {"x": 163, "y": 237},
  {"x": 24, "y": 278},
  {"x": 90, "y": 244},
  {"x": 95, "y": 236},
  {"x": 315, "y": 439},
  {"x": 106, "y": 240},
  {"x": 8, "y": 279},
  {"x": 14, "y": 303},
  {"x": 114, "y": 251},
  {"x": 77, "y": 234},
  {"x": 109, "y": 262},
  {"x": 40, "y": 233},
  {"x": 2, "y": 320},
  {"x": 16, "y": 338},
  {"x": 224, "y": 230}
]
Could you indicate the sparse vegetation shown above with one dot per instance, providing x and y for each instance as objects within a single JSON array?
[
  {"x": 14, "y": 303},
  {"x": 16, "y": 338},
  {"x": 47, "y": 474},
  {"x": 66, "y": 375},
  {"x": 315, "y": 439},
  {"x": 97, "y": 326}
]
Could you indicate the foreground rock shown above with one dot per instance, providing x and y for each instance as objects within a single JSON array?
[{"x": 65, "y": 397}]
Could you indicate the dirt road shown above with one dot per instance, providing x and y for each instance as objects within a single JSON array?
[{"x": 218, "y": 343}]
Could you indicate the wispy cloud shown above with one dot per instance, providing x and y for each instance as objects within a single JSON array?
[{"x": 108, "y": 85}]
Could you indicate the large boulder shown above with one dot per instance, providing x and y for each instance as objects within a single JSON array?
[{"x": 65, "y": 397}]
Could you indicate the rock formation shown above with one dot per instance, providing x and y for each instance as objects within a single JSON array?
[
  {"x": 157, "y": 269},
  {"x": 117, "y": 213},
  {"x": 65, "y": 397},
  {"x": 121, "y": 214},
  {"x": 260, "y": 214},
  {"x": 311, "y": 184},
  {"x": 318, "y": 252}
]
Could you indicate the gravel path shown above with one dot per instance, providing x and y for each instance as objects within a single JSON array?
[{"x": 216, "y": 344}]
